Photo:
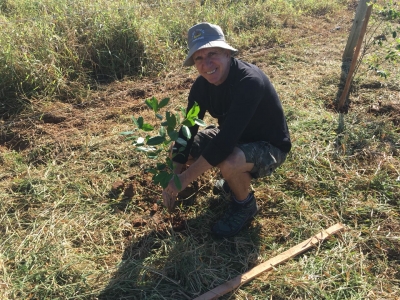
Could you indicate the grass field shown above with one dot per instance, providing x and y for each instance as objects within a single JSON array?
[{"x": 81, "y": 219}]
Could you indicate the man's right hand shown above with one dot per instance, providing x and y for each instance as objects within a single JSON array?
[
  {"x": 168, "y": 200},
  {"x": 170, "y": 193}
]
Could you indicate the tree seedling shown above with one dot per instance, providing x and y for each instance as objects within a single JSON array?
[{"x": 157, "y": 146}]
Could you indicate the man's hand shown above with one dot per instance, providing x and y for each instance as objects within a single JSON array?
[
  {"x": 190, "y": 174},
  {"x": 170, "y": 193},
  {"x": 168, "y": 200}
]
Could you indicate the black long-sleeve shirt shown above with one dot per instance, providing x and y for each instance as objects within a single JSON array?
[{"x": 247, "y": 108}]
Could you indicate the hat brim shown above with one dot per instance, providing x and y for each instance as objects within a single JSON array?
[{"x": 220, "y": 44}]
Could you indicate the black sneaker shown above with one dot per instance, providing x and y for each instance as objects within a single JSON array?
[
  {"x": 237, "y": 216},
  {"x": 221, "y": 187}
]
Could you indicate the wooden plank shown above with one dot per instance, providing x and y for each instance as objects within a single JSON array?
[
  {"x": 270, "y": 264},
  {"x": 346, "y": 89}
]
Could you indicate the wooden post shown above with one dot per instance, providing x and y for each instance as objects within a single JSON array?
[
  {"x": 355, "y": 30},
  {"x": 270, "y": 264},
  {"x": 354, "y": 59}
]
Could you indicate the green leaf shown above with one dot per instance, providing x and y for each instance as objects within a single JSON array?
[
  {"x": 188, "y": 122},
  {"x": 200, "y": 122},
  {"x": 153, "y": 154},
  {"x": 170, "y": 163},
  {"x": 177, "y": 182},
  {"x": 186, "y": 132},
  {"x": 127, "y": 133},
  {"x": 394, "y": 34},
  {"x": 162, "y": 178},
  {"x": 171, "y": 120},
  {"x": 173, "y": 135},
  {"x": 182, "y": 142},
  {"x": 192, "y": 115},
  {"x": 156, "y": 140},
  {"x": 145, "y": 149},
  {"x": 140, "y": 122},
  {"x": 160, "y": 117},
  {"x": 193, "y": 112},
  {"x": 162, "y": 131},
  {"x": 163, "y": 103},
  {"x": 152, "y": 171},
  {"x": 147, "y": 127},
  {"x": 152, "y": 103},
  {"x": 161, "y": 166}
]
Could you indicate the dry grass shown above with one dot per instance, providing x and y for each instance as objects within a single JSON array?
[{"x": 80, "y": 218}]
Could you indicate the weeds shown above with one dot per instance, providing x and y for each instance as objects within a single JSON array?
[
  {"x": 66, "y": 233},
  {"x": 65, "y": 49}
]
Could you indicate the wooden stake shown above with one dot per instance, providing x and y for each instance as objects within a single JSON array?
[
  {"x": 355, "y": 30},
  {"x": 354, "y": 59},
  {"x": 270, "y": 264}
]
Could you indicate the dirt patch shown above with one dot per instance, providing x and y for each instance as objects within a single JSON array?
[
  {"x": 390, "y": 110},
  {"x": 53, "y": 119},
  {"x": 14, "y": 141}
]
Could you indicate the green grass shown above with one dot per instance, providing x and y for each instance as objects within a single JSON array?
[
  {"x": 66, "y": 234},
  {"x": 63, "y": 49}
]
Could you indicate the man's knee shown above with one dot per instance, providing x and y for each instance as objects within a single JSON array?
[{"x": 234, "y": 162}]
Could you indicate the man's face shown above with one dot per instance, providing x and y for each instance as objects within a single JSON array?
[{"x": 213, "y": 64}]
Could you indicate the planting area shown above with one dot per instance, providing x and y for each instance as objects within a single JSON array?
[{"x": 80, "y": 217}]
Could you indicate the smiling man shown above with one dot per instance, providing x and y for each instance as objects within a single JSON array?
[{"x": 251, "y": 139}]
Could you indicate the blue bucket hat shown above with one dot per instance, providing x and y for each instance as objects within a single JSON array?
[{"x": 205, "y": 35}]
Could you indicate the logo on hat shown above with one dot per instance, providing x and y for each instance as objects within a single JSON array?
[{"x": 197, "y": 35}]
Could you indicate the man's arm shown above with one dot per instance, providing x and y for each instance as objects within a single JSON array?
[
  {"x": 178, "y": 168},
  {"x": 186, "y": 177},
  {"x": 194, "y": 171}
]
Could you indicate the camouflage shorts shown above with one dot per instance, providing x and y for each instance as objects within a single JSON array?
[{"x": 265, "y": 157}]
